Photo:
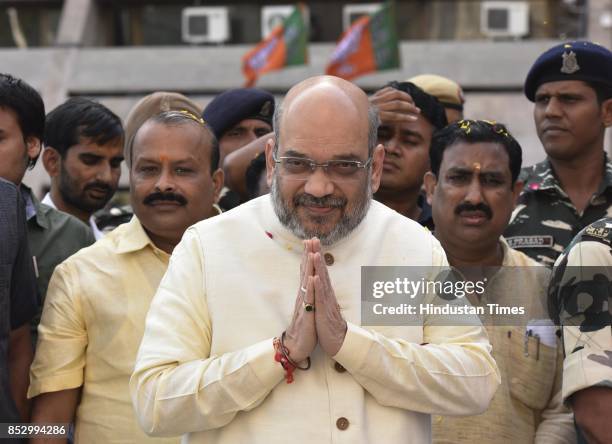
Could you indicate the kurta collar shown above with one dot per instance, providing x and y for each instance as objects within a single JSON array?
[{"x": 134, "y": 238}]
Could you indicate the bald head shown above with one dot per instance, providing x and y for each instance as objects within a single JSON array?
[
  {"x": 328, "y": 102},
  {"x": 329, "y": 85}
]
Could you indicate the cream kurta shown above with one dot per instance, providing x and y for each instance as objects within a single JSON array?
[
  {"x": 206, "y": 367},
  {"x": 91, "y": 326}
]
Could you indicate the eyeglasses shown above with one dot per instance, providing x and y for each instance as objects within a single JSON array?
[{"x": 300, "y": 168}]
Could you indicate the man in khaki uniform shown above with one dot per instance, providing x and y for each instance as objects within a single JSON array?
[
  {"x": 472, "y": 188},
  {"x": 93, "y": 318}
]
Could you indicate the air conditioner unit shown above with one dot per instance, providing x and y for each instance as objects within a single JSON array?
[
  {"x": 205, "y": 25},
  {"x": 272, "y": 16},
  {"x": 352, "y": 12},
  {"x": 504, "y": 19}
]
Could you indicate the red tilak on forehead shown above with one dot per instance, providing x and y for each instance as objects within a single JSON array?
[
  {"x": 163, "y": 158},
  {"x": 476, "y": 166}
]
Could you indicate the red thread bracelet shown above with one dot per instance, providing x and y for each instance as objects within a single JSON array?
[{"x": 279, "y": 356}]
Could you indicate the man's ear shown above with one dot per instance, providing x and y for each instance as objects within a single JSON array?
[
  {"x": 516, "y": 191},
  {"x": 33, "y": 147},
  {"x": 51, "y": 159},
  {"x": 217, "y": 180},
  {"x": 606, "y": 112},
  {"x": 378, "y": 158},
  {"x": 270, "y": 164},
  {"x": 430, "y": 181}
]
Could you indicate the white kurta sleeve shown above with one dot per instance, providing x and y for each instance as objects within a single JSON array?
[
  {"x": 177, "y": 386},
  {"x": 451, "y": 373}
]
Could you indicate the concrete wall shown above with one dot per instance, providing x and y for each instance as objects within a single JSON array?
[
  {"x": 134, "y": 70},
  {"x": 491, "y": 72}
]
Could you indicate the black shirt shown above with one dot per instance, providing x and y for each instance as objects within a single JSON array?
[{"x": 18, "y": 300}]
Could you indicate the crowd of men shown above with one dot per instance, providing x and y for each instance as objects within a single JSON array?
[{"x": 228, "y": 307}]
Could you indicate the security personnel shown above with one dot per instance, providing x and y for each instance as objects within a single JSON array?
[
  {"x": 239, "y": 117},
  {"x": 407, "y": 149},
  {"x": 447, "y": 91},
  {"x": 571, "y": 86},
  {"x": 580, "y": 298}
]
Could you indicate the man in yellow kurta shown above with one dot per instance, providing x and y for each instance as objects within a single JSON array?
[
  {"x": 473, "y": 187},
  {"x": 284, "y": 268},
  {"x": 94, "y": 313}
]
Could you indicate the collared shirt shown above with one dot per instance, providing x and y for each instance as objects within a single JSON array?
[
  {"x": 54, "y": 236},
  {"x": 545, "y": 220},
  {"x": 527, "y": 407},
  {"x": 18, "y": 302},
  {"x": 580, "y": 289},
  {"x": 92, "y": 324},
  {"x": 92, "y": 221},
  {"x": 206, "y": 363}
]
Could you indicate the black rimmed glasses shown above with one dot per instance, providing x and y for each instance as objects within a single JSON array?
[{"x": 300, "y": 168}]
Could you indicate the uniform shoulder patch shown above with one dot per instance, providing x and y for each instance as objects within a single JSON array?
[{"x": 599, "y": 232}]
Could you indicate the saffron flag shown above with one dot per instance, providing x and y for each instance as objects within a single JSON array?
[
  {"x": 285, "y": 46},
  {"x": 370, "y": 44}
]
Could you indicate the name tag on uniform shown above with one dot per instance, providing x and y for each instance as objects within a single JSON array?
[
  {"x": 530, "y": 241},
  {"x": 600, "y": 232}
]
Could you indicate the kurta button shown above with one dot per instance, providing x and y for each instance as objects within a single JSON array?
[
  {"x": 339, "y": 367},
  {"x": 329, "y": 259},
  {"x": 342, "y": 423}
]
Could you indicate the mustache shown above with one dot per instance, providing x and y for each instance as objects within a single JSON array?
[
  {"x": 465, "y": 206},
  {"x": 167, "y": 197},
  {"x": 326, "y": 201}
]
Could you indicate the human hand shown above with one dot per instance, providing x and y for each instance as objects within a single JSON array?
[
  {"x": 330, "y": 325},
  {"x": 301, "y": 335},
  {"x": 394, "y": 106},
  {"x": 592, "y": 413}
]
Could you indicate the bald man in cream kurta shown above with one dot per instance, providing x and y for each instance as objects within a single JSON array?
[{"x": 206, "y": 364}]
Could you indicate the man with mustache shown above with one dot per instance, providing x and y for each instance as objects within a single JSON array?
[
  {"x": 262, "y": 343},
  {"x": 83, "y": 154},
  {"x": 407, "y": 149},
  {"x": 571, "y": 86},
  {"x": 472, "y": 188},
  {"x": 93, "y": 319}
]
